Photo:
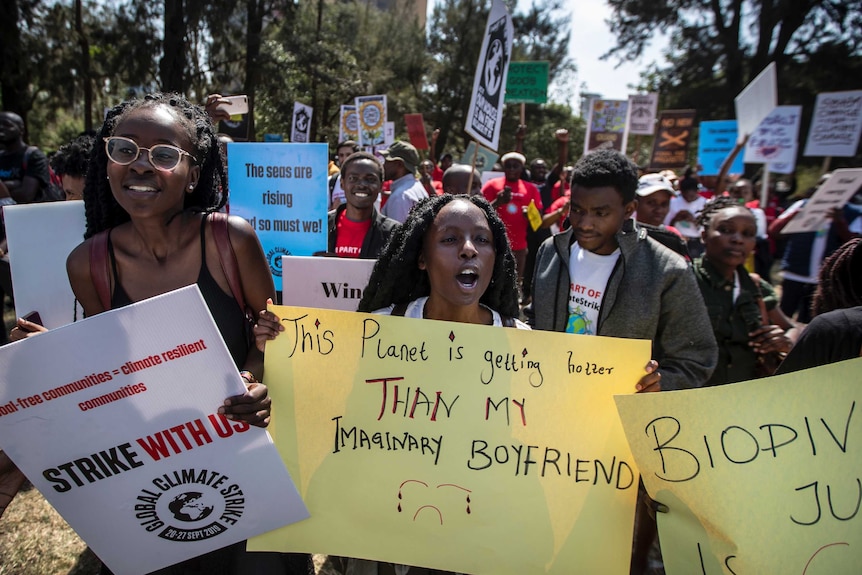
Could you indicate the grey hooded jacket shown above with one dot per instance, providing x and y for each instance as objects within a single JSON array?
[{"x": 651, "y": 294}]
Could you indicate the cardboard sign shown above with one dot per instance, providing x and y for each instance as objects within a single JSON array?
[
  {"x": 114, "y": 419},
  {"x": 759, "y": 477},
  {"x": 300, "y": 132},
  {"x": 670, "y": 148},
  {"x": 348, "y": 124},
  {"x": 527, "y": 83},
  {"x": 281, "y": 189},
  {"x": 485, "y": 114},
  {"x": 40, "y": 238},
  {"x": 838, "y": 189},
  {"x": 714, "y": 144},
  {"x": 485, "y": 158},
  {"x": 371, "y": 117},
  {"x": 416, "y": 131},
  {"x": 756, "y": 101},
  {"x": 835, "y": 125},
  {"x": 460, "y": 447},
  {"x": 328, "y": 282},
  {"x": 774, "y": 140},
  {"x": 606, "y": 126},
  {"x": 642, "y": 112}
]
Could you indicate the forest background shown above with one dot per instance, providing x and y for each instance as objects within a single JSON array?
[{"x": 63, "y": 62}]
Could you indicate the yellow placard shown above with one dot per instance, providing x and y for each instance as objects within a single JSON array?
[
  {"x": 454, "y": 446},
  {"x": 534, "y": 216},
  {"x": 762, "y": 476}
]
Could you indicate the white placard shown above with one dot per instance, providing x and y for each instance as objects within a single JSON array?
[
  {"x": 835, "y": 125},
  {"x": 301, "y": 130},
  {"x": 642, "y": 112},
  {"x": 485, "y": 115},
  {"x": 114, "y": 419},
  {"x": 837, "y": 190},
  {"x": 756, "y": 101},
  {"x": 490, "y": 175},
  {"x": 325, "y": 282},
  {"x": 774, "y": 140},
  {"x": 40, "y": 237}
]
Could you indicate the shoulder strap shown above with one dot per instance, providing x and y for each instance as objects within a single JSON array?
[
  {"x": 27, "y": 154},
  {"x": 399, "y": 309},
  {"x": 100, "y": 273},
  {"x": 226, "y": 255}
]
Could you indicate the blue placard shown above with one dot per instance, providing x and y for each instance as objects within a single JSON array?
[
  {"x": 281, "y": 190},
  {"x": 717, "y": 140}
]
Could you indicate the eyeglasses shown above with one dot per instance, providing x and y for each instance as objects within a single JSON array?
[
  {"x": 367, "y": 180},
  {"x": 124, "y": 151}
]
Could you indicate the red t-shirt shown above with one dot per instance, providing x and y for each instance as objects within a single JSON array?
[
  {"x": 512, "y": 213},
  {"x": 350, "y": 235},
  {"x": 437, "y": 174}
]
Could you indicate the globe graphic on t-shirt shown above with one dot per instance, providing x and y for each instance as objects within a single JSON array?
[
  {"x": 578, "y": 323},
  {"x": 189, "y": 506}
]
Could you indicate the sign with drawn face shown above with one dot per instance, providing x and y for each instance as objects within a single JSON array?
[
  {"x": 486, "y": 106},
  {"x": 460, "y": 447},
  {"x": 348, "y": 126}
]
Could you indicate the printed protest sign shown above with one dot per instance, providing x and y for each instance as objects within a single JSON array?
[
  {"x": 670, "y": 148},
  {"x": 114, "y": 419},
  {"x": 606, "y": 126},
  {"x": 837, "y": 190},
  {"x": 759, "y": 477},
  {"x": 642, "y": 111},
  {"x": 756, "y": 101},
  {"x": 371, "y": 117},
  {"x": 485, "y": 158},
  {"x": 460, "y": 447},
  {"x": 40, "y": 237},
  {"x": 527, "y": 83},
  {"x": 835, "y": 125},
  {"x": 329, "y": 283},
  {"x": 774, "y": 140},
  {"x": 348, "y": 124},
  {"x": 301, "y": 130},
  {"x": 485, "y": 114},
  {"x": 714, "y": 144},
  {"x": 416, "y": 131},
  {"x": 281, "y": 189}
]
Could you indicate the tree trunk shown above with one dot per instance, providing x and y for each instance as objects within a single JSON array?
[
  {"x": 173, "y": 63},
  {"x": 13, "y": 85},
  {"x": 87, "y": 83},
  {"x": 256, "y": 10}
]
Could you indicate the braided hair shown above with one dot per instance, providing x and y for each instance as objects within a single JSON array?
[
  {"x": 209, "y": 195},
  {"x": 840, "y": 279},
  {"x": 397, "y": 279},
  {"x": 714, "y": 206}
]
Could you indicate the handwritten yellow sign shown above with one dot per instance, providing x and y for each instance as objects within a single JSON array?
[
  {"x": 453, "y": 446},
  {"x": 760, "y": 477}
]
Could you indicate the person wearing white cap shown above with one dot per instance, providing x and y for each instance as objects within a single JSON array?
[
  {"x": 510, "y": 196},
  {"x": 654, "y": 193}
]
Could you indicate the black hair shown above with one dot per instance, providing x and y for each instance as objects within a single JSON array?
[
  {"x": 351, "y": 143},
  {"x": 73, "y": 159},
  {"x": 687, "y": 183},
  {"x": 209, "y": 195},
  {"x": 840, "y": 279},
  {"x": 715, "y": 205},
  {"x": 607, "y": 168},
  {"x": 356, "y": 156},
  {"x": 397, "y": 279}
]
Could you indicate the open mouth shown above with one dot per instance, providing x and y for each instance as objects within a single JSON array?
[{"x": 468, "y": 278}]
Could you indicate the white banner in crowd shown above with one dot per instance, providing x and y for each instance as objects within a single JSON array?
[
  {"x": 40, "y": 237},
  {"x": 642, "y": 113},
  {"x": 835, "y": 125},
  {"x": 114, "y": 420},
  {"x": 775, "y": 139},
  {"x": 836, "y": 192},
  {"x": 301, "y": 130},
  {"x": 756, "y": 101},
  {"x": 485, "y": 114},
  {"x": 328, "y": 283}
]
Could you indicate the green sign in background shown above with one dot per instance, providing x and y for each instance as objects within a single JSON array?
[{"x": 527, "y": 83}]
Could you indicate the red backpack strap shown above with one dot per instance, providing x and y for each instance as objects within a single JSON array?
[
  {"x": 100, "y": 272},
  {"x": 226, "y": 255}
]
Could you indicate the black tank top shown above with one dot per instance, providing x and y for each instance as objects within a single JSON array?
[{"x": 228, "y": 316}]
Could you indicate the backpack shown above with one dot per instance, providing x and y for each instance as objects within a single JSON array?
[{"x": 53, "y": 191}]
